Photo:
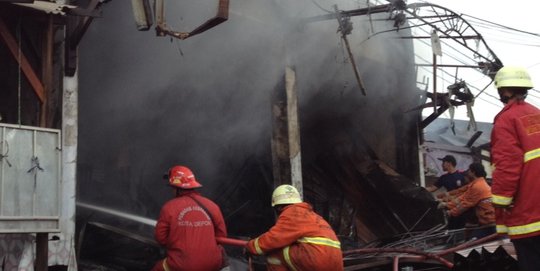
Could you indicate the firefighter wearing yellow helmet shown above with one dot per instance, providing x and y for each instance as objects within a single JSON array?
[
  {"x": 512, "y": 82},
  {"x": 515, "y": 153},
  {"x": 300, "y": 239}
]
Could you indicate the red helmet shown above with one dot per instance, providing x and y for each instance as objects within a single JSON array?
[{"x": 182, "y": 177}]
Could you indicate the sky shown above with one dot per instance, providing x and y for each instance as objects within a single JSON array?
[{"x": 511, "y": 47}]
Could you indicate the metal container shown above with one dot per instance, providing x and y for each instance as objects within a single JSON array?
[{"x": 30, "y": 179}]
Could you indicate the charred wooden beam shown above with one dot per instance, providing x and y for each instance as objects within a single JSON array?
[
  {"x": 76, "y": 28},
  {"x": 286, "y": 158},
  {"x": 70, "y": 50},
  {"x": 81, "y": 25},
  {"x": 27, "y": 69},
  {"x": 386, "y": 202},
  {"x": 433, "y": 116}
]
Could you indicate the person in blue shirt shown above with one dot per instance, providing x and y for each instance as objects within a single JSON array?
[{"x": 452, "y": 179}]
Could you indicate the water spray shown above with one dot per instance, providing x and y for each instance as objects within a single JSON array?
[
  {"x": 151, "y": 222},
  {"x": 132, "y": 217}
]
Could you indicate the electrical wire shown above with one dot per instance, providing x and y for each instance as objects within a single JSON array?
[
  {"x": 417, "y": 26},
  {"x": 320, "y": 7},
  {"x": 519, "y": 38},
  {"x": 427, "y": 32},
  {"x": 445, "y": 42},
  {"x": 451, "y": 56},
  {"x": 516, "y": 33},
  {"x": 499, "y": 31},
  {"x": 504, "y": 26},
  {"x": 459, "y": 56},
  {"x": 503, "y": 36}
]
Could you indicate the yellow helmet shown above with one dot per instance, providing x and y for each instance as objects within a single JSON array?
[
  {"x": 285, "y": 194},
  {"x": 513, "y": 77}
]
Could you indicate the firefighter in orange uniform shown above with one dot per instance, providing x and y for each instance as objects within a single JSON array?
[
  {"x": 515, "y": 154},
  {"x": 300, "y": 240},
  {"x": 477, "y": 195}
]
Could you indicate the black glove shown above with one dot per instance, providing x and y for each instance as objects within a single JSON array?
[{"x": 442, "y": 205}]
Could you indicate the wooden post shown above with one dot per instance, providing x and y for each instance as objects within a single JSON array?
[
  {"x": 286, "y": 154},
  {"x": 42, "y": 252},
  {"x": 47, "y": 71}
]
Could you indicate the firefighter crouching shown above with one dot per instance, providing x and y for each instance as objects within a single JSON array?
[
  {"x": 300, "y": 240},
  {"x": 476, "y": 196}
]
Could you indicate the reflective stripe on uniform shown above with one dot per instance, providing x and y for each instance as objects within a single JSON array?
[
  {"x": 165, "y": 265},
  {"x": 257, "y": 247},
  {"x": 273, "y": 261},
  {"x": 502, "y": 229},
  {"x": 287, "y": 258},
  {"x": 531, "y": 155},
  {"x": 486, "y": 200},
  {"x": 501, "y": 200},
  {"x": 320, "y": 241},
  {"x": 524, "y": 229}
]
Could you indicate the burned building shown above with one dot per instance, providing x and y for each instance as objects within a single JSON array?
[
  {"x": 217, "y": 102},
  {"x": 148, "y": 103}
]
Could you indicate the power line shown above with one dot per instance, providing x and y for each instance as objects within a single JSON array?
[
  {"x": 462, "y": 57},
  {"x": 496, "y": 34},
  {"x": 320, "y": 7},
  {"x": 504, "y": 26},
  {"x": 535, "y": 64}
]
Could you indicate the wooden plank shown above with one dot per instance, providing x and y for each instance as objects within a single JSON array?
[
  {"x": 11, "y": 43},
  {"x": 47, "y": 71},
  {"x": 81, "y": 26}
]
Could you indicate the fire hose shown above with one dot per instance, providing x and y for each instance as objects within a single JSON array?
[
  {"x": 237, "y": 243},
  {"x": 435, "y": 255},
  {"x": 231, "y": 241},
  {"x": 401, "y": 250},
  {"x": 242, "y": 243},
  {"x": 423, "y": 255}
]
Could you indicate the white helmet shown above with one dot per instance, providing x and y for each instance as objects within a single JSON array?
[{"x": 285, "y": 194}]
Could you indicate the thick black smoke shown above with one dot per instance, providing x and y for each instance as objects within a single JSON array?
[{"x": 147, "y": 102}]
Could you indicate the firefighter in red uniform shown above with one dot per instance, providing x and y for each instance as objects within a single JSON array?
[
  {"x": 515, "y": 154},
  {"x": 188, "y": 226},
  {"x": 300, "y": 240}
]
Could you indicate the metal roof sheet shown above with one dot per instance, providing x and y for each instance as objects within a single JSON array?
[
  {"x": 48, "y": 7},
  {"x": 505, "y": 243}
]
